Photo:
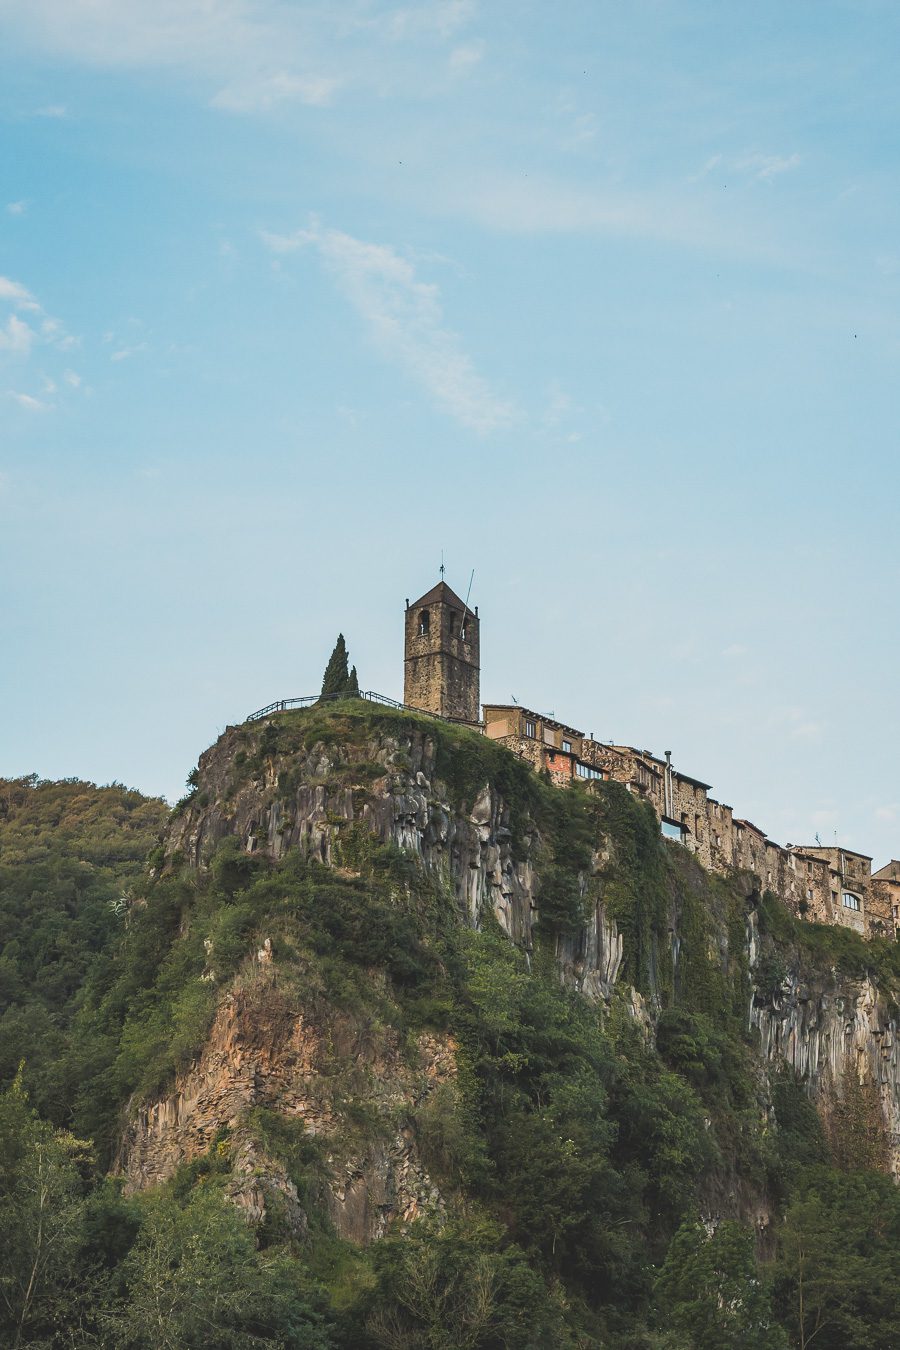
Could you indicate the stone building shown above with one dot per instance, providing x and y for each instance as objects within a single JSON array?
[
  {"x": 825, "y": 884},
  {"x": 442, "y": 667}
]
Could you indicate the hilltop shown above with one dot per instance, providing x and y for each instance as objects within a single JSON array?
[{"x": 412, "y": 1047}]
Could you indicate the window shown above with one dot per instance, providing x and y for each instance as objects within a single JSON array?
[
  {"x": 587, "y": 771},
  {"x": 851, "y": 901},
  {"x": 424, "y": 622},
  {"x": 809, "y": 892},
  {"x": 671, "y": 831},
  {"x": 567, "y": 747},
  {"x": 530, "y": 728}
]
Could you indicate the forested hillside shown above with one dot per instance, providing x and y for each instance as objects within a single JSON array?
[{"x": 399, "y": 1046}]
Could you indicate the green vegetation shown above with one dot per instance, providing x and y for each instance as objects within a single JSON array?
[
  {"x": 337, "y": 681},
  {"x": 579, "y": 1151},
  {"x": 70, "y": 854}
]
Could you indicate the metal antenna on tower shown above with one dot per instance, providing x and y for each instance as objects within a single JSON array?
[
  {"x": 442, "y": 564},
  {"x": 462, "y": 626}
]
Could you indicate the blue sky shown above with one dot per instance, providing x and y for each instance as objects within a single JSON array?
[{"x": 600, "y": 299}]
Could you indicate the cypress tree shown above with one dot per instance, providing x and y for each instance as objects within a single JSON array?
[
  {"x": 336, "y": 676},
  {"x": 353, "y": 684}
]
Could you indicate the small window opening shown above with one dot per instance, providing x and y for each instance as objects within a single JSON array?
[
  {"x": 530, "y": 728},
  {"x": 424, "y": 623},
  {"x": 567, "y": 746},
  {"x": 851, "y": 901}
]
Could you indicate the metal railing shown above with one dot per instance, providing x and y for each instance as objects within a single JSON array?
[{"x": 307, "y": 701}]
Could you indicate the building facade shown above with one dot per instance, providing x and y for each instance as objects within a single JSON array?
[
  {"x": 826, "y": 885},
  {"x": 832, "y": 885},
  {"x": 442, "y": 656}
]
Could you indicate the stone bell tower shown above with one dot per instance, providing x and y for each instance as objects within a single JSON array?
[{"x": 441, "y": 656}]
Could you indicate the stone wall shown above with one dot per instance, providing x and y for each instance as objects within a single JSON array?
[
  {"x": 811, "y": 880},
  {"x": 442, "y": 665}
]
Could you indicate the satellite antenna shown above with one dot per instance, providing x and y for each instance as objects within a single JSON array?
[{"x": 462, "y": 626}]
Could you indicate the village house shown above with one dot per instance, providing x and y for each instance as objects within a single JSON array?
[{"x": 824, "y": 884}]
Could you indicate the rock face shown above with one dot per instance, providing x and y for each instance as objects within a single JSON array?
[
  {"x": 841, "y": 1038},
  {"x": 268, "y": 1050},
  {"x": 402, "y": 803},
  {"x": 265, "y": 1052}
]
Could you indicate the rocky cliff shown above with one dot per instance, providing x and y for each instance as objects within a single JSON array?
[{"x": 628, "y": 921}]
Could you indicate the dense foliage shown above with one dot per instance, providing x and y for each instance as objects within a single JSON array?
[
  {"x": 70, "y": 854},
  {"x": 577, "y": 1150},
  {"x": 338, "y": 681}
]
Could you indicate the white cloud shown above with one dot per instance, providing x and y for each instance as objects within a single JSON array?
[
  {"x": 19, "y": 338},
  {"x": 247, "y": 55},
  {"x": 16, "y": 208},
  {"x": 811, "y": 732},
  {"x": 26, "y": 401},
  {"x": 72, "y": 378},
  {"x": 266, "y": 91},
  {"x": 735, "y": 649},
  {"x": 441, "y": 18},
  {"x": 754, "y": 164},
  {"x": 125, "y": 353},
  {"x": 466, "y": 56},
  {"x": 767, "y": 167},
  {"x": 535, "y": 204},
  {"x": 16, "y": 294},
  {"x": 16, "y": 336},
  {"x": 52, "y": 109},
  {"x": 405, "y": 320}
]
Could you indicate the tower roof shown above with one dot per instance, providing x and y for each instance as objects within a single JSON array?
[{"x": 439, "y": 593}]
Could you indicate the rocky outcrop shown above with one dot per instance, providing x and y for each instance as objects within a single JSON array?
[
  {"x": 386, "y": 785},
  {"x": 269, "y": 1049},
  {"x": 841, "y": 1038},
  {"x": 329, "y": 799}
]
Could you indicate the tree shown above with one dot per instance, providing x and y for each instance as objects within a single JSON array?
[
  {"x": 456, "y": 1287},
  {"x": 710, "y": 1292},
  {"x": 838, "y": 1253},
  {"x": 194, "y": 1279},
  {"x": 42, "y": 1224},
  {"x": 338, "y": 679}
]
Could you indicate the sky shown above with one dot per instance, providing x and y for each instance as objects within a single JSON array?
[{"x": 597, "y": 299}]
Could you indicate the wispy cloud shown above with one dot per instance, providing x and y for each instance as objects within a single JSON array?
[
  {"x": 405, "y": 320},
  {"x": 57, "y": 110},
  {"x": 264, "y": 92},
  {"x": 466, "y": 57},
  {"x": 14, "y": 293},
  {"x": 28, "y": 401},
  {"x": 126, "y": 353},
  {"x": 16, "y": 208},
  {"x": 19, "y": 336},
  {"x": 752, "y": 164},
  {"x": 442, "y": 18},
  {"x": 249, "y": 56}
]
